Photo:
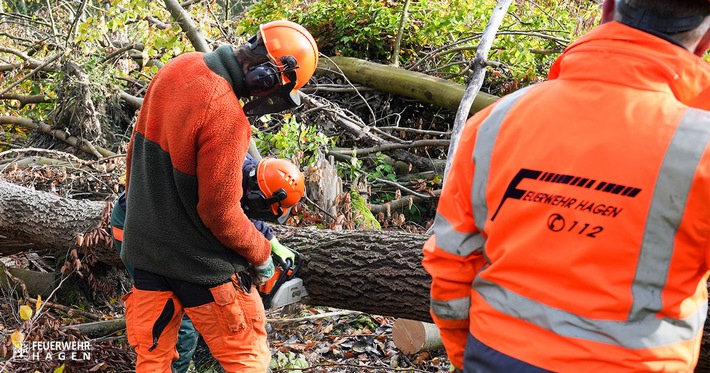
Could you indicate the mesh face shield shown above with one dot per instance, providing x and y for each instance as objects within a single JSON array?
[{"x": 281, "y": 98}]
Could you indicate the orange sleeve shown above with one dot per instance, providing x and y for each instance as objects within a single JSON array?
[
  {"x": 449, "y": 254},
  {"x": 223, "y": 141}
]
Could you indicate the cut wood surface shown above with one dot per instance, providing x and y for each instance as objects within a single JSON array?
[{"x": 413, "y": 336}]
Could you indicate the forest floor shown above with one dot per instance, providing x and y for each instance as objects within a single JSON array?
[{"x": 302, "y": 338}]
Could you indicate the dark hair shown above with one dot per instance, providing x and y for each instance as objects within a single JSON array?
[
  {"x": 678, "y": 19},
  {"x": 672, "y": 8}
]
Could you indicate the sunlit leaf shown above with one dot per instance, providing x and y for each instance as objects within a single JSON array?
[{"x": 17, "y": 337}]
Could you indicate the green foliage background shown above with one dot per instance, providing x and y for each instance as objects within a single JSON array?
[{"x": 357, "y": 28}]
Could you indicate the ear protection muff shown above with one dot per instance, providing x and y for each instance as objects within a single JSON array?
[
  {"x": 257, "y": 206},
  {"x": 262, "y": 78}
]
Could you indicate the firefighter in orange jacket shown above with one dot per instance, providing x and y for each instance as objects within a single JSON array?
[
  {"x": 573, "y": 231},
  {"x": 186, "y": 234}
]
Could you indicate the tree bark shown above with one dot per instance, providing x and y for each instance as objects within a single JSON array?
[
  {"x": 377, "y": 272},
  {"x": 42, "y": 221},
  {"x": 370, "y": 271}
]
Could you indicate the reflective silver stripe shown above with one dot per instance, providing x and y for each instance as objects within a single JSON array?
[
  {"x": 650, "y": 332},
  {"x": 667, "y": 206},
  {"x": 454, "y": 242},
  {"x": 642, "y": 329},
  {"x": 485, "y": 140},
  {"x": 455, "y": 309}
]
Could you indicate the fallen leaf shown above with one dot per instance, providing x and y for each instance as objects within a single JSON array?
[
  {"x": 25, "y": 312},
  {"x": 17, "y": 337}
]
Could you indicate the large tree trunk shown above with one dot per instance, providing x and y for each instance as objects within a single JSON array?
[
  {"x": 371, "y": 271},
  {"x": 42, "y": 221},
  {"x": 377, "y": 272}
]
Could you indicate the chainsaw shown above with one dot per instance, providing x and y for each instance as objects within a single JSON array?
[{"x": 283, "y": 288}]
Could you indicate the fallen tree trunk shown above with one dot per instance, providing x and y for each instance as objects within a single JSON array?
[
  {"x": 42, "y": 221},
  {"x": 369, "y": 271},
  {"x": 412, "y": 84},
  {"x": 377, "y": 272}
]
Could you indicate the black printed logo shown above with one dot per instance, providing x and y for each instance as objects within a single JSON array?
[{"x": 563, "y": 201}]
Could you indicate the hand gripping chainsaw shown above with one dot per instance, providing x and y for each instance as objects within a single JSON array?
[{"x": 283, "y": 288}]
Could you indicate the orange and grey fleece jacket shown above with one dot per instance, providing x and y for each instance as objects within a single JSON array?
[{"x": 184, "y": 174}]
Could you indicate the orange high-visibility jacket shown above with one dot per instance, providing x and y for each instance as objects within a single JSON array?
[{"x": 574, "y": 226}]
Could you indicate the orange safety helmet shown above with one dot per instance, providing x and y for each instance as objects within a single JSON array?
[
  {"x": 293, "y": 57},
  {"x": 277, "y": 177},
  {"x": 285, "y": 38}
]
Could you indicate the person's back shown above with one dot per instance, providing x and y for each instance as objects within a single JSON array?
[
  {"x": 591, "y": 192},
  {"x": 189, "y": 107}
]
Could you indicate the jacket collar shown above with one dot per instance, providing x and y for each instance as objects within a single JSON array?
[
  {"x": 617, "y": 53},
  {"x": 222, "y": 62}
]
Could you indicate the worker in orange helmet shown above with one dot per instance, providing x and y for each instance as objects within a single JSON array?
[
  {"x": 186, "y": 234},
  {"x": 272, "y": 187},
  {"x": 572, "y": 233}
]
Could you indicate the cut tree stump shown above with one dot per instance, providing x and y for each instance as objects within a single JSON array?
[{"x": 413, "y": 336}]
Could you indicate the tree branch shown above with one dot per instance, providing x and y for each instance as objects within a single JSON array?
[
  {"x": 31, "y": 73},
  {"x": 400, "y": 203},
  {"x": 391, "y": 146},
  {"x": 478, "y": 75},
  {"x": 25, "y": 100},
  {"x": 61, "y": 135},
  {"x": 184, "y": 19}
]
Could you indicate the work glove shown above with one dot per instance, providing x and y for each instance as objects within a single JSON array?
[
  {"x": 264, "y": 271},
  {"x": 282, "y": 251}
]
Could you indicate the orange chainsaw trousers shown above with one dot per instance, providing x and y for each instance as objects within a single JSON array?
[{"x": 230, "y": 317}]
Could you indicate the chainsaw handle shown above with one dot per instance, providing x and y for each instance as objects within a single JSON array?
[{"x": 286, "y": 264}]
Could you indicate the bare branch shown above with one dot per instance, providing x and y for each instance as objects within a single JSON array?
[
  {"x": 399, "y": 203},
  {"x": 400, "y": 30},
  {"x": 479, "y": 74},
  {"x": 63, "y": 136},
  {"x": 402, "y": 188},
  {"x": 391, "y": 146},
  {"x": 31, "y": 73},
  {"x": 25, "y": 100}
]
